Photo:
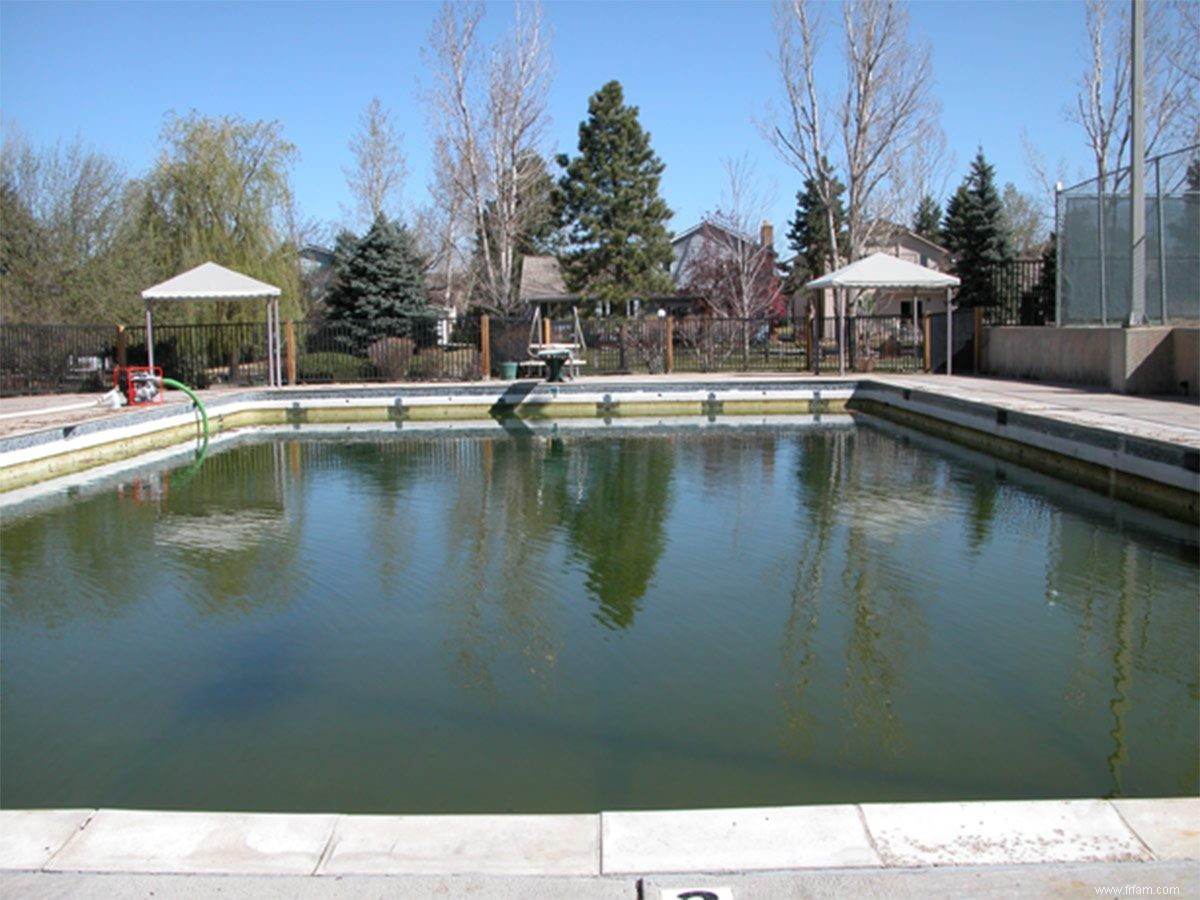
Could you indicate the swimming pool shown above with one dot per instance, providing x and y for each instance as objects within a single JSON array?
[{"x": 559, "y": 619}]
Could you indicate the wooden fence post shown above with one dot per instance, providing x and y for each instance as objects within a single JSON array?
[
  {"x": 928, "y": 342},
  {"x": 122, "y": 356},
  {"x": 290, "y": 350},
  {"x": 670, "y": 347},
  {"x": 485, "y": 346}
]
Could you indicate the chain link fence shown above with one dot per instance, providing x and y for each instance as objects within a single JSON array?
[{"x": 1093, "y": 227}]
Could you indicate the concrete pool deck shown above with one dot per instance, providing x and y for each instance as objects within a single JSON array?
[{"x": 1057, "y": 848}]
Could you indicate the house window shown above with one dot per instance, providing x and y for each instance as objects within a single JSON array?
[{"x": 906, "y": 309}]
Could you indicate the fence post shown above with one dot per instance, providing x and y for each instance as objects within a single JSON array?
[
  {"x": 978, "y": 339},
  {"x": 928, "y": 342},
  {"x": 622, "y": 342},
  {"x": 290, "y": 349},
  {"x": 485, "y": 346},
  {"x": 121, "y": 353},
  {"x": 670, "y": 347}
]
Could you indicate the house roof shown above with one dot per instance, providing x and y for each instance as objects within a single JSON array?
[
  {"x": 208, "y": 281},
  {"x": 541, "y": 278},
  {"x": 881, "y": 270},
  {"x": 709, "y": 224},
  {"x": 893, "y": 230}
]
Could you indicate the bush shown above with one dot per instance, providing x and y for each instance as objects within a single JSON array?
[
  {"x": 333, "y": 367},
  {"x": 429, "y": 365},
  {"x": 391, "y": 356}
]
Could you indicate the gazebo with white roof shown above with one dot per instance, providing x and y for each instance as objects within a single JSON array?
[
  {"x": 210, "y": 281},
  {"x": 882, "y": 270}
]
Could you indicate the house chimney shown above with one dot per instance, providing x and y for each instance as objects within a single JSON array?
[{"x": 767, "y": 235}]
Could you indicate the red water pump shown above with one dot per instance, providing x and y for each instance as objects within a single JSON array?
[{"x": 139, "y": 384}]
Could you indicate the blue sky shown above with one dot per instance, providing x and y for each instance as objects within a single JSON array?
[{"x": 701, "y": 73}]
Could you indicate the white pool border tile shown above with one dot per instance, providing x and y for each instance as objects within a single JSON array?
[{"x": 868, "y": 837}]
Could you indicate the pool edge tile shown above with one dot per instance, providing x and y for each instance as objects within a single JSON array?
[
  {"x": 140, "y": 841},
  {"x": 1169, "y": 827},
  {"x": 736, "y": 840},
  {"x": 464, "y": 844},
  {"x": 31, "y": 838},
  {"x": 1001, "y": 832}
]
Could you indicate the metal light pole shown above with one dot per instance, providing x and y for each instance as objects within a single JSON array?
[{"x": 1137, "y": 168}]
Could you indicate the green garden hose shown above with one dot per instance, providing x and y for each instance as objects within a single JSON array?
[{"x": 179, "y": 386}]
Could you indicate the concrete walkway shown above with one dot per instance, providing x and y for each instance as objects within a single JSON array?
[{"x": 1037, "y": 848}]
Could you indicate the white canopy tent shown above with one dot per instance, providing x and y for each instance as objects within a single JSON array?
[
  {"x": 882, "y": 270},
  {"x": 210, "y": 281}
]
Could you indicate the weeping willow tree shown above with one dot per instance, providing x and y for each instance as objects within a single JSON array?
[{"x": 221, "y": 191}]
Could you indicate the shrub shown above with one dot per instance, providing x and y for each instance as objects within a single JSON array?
[
  {"x": 333, "y": 367},
  {"x": 429, "y": 365},
  {"x": 391, "y": 356}
]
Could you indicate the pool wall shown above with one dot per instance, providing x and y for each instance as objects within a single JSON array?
[{"x": 1157, "y": 474}]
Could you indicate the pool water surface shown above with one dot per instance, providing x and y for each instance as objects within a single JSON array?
[{"x": 531, "y": 621}]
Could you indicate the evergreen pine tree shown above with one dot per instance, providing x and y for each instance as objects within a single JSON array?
[
  {"x": 379, "y": 284},
  {"x": 973, "y": 231},
  {"x": 808, "y": 235},
  {"x": 618, "y": 245},
  {"x": 927, "y": 219}
]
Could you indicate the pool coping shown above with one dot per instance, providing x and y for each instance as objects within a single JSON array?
[
  {"x": 869, "y": 837},
  {"x": 1155, "y": 467}
]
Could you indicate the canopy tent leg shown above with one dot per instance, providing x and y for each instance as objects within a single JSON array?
[
  {"x": 949, "y": 335},
  {"x": 279, "y": 352},
  {"x": 149, "y": 337},
  {"x": 841, "y": 328}
]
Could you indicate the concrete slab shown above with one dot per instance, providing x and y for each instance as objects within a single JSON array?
[
  {"x": 29, "y": 837},
  {"x": 724, "y": 840},
  {"x": 1170, "y": 827},
  {"x": 194, "y": 842},
  {"x": 1076, "y": 881},
  {"x": 1007, "y": 832},
  {"x": 58, "y": 885},
  {"x": 497, "y": 845}
]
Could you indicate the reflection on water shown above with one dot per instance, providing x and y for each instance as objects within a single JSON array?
[{"x": 554, "y": 621}]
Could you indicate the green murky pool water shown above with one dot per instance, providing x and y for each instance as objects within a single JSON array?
[{"x": 498, "y": 622}]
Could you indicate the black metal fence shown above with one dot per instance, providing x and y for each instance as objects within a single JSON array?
[
  {"x": 64, "y": 358},
  {"x": 41, "y": 359},
  {"x": 1020, "y": 294}
]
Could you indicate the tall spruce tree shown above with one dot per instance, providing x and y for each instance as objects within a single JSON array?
[
  {"x": 618, "y": 245},
  {"x": 927, "y": 220},
  {"x": 379, "y": 284},
  {"x": 808, "y": 235},
  {"x": 973, "y": 231}
]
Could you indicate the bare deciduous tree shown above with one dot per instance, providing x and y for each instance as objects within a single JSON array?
[
  {"x": 885, "y": 117},
  {"x": 734, "y": 270},
  {"x": 443, "y": 228},
  {"x": 1170, "y": 78},
  {"x": 486, "y": 132},
  {"x": 380, "y": 167}
]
